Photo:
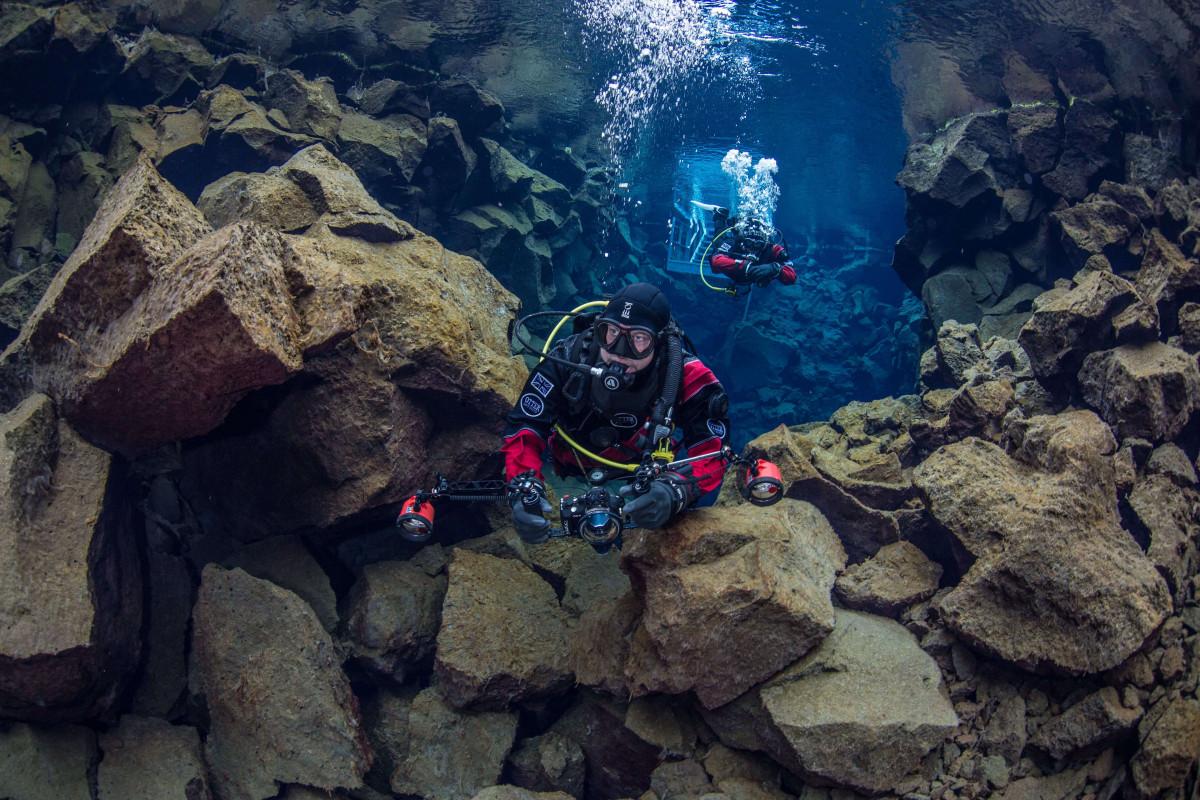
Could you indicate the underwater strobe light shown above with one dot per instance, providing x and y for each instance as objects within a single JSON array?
[
  {"x": 415, "y": 520},
  {"x": 762, "y": 483}
]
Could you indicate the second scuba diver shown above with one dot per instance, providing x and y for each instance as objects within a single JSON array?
[
  {"x": 750, "y": 252},
  {"x": 614, "y": 414}
]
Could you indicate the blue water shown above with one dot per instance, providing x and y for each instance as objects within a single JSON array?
[{"x": 819, "y": 99}]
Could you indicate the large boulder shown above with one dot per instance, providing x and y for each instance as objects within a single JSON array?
[
  {"x": 1095, "y": 722},
  {"x": 960, "y": 164},
  {"x": 70, "y": 588},
  {"x": 392, "y": 616},
  {"x": 1166, "y": 512},
  {"x": 382, "y": 152},
  {"x": 150, "y": 759},
  {"x": 1147, "y": 390},
  {"x": 47, "y": 763},
  {"x": 731, "y": 596},
  {"x": 274, "y": 689},
  {"x": 549, "y": 762},
  {"x": 1067, "y": 326},
  {"x": 1098, "y": 226},
  {"x": 1036, "y": 136},
  {"x": 890, "y": 581},
  {"x": 451, "y": 754},
  {"x": 1167, "y": 277},
  {"x": 213, "y": 325},
  {"x": 860, "y": 711},
  {"x": 311, "y": 107},
  {"x": 1089, "y": 148},
  {"x": 1057, "y": 586},
  {"x": 143, "y": 227},
  {"x": 1170, "y": 746},
  {"x": 503, "y": 637},
  {"x": 619, "y": 762}
]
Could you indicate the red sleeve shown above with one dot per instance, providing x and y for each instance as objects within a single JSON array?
[
  {"x": 710, "y": 472},
  {"x": 522, "y": 452},
  {"x": 726, "y": 265},
  {"x": 695, "y": 377},
  {"x": 778, "y": 253},
  {"x": 787, "y": 276}
]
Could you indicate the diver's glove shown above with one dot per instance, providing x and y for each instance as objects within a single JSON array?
[
  {"x": 667, "y": 495},
  {"x": 762, "y": 274},
  {"x": 779, "y": 253},
  {"x": 527, "y": 497}
]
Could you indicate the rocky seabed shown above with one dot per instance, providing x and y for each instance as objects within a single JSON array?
[{"x": 214, "y": 401}]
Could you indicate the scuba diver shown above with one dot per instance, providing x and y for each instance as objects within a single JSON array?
[
  {"x": 751, "y": 253},
  {"x": 643, "y": 384}
]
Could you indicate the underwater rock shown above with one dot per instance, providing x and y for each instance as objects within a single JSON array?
[
  {"x": 619, "y": 762},
  {"x": 69, "y": 644},
  {"x": 1166, "y": 278},
  {"x": 1031, "y": 521},
  {"x": 1098, "y": 226},
  {"x": 1170, "y": 746},
  {"x": 47, "y": 763},
  {"x": 382, "y": 151},
  {"x": 447, "y": 164},
  {"x": 146, "y": 757},
  {"x": 890, "y": 581},
  {"x": 517, "y": 793},
  {"x": 275, "y": 690},
  {"x": 389, "y": 96},
  {"x": 1149, "y": 162},
  {"x": 1146, "y": 390},
  {"x": 503, "y": 637},
  {"x": 164, "y": 675},
  {"x": 986, "y": 498},
  {"x": 257, "y": 197},
  {"x": 310, "y": 106},
  {"x": 33, "y": 225},
  {"x": 20, "y": 295},
  {"x": 1066, "y": 326},
  {"x": 1095, "y": 722},
  {"x": 144, "y": 226},
  {"x": 287, "y": 563},
  {"x": 548, "y": 763},
  {"x": 1036, "y": 136},
  {"x": 162, "y": 69},
  {"x": 392, "y": 617},
  {"x": 335, "y": 191},
  {"x": 860, "y": 711},
  {"x": 82, "y": 182},
  {"x": 208, "y": 330},
  {"x": 245, "y": 131},
  {"x": 476, "y": 110},
  {"x": 1166, "y": 512},
  {"x": 685, "y": 778},
  {"x": 348, "y": 438},
  {"x": 731, "y": 596},
  {"x": 451, "y": 754},
  {"x": 599, "y": 644},
  {"x": 1091, "y": 144},
  {"x": 969, "y": 158},
  {"x": 954, "y": 295}
]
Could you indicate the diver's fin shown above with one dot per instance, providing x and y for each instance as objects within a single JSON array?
[{"x": 705, "y": 206}]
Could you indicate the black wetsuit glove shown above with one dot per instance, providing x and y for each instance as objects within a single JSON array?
[
  {"x": 527, "y": 497},
  {"x": 667, "y": 496},
  {"x": 762, "y": 274}
]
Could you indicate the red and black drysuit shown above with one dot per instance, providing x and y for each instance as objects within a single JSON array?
[
  {"x": 734, "y": 255},
  {"x": 610, "y": 423}
]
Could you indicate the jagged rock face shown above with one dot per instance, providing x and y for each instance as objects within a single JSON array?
[
  {"x": 860, "y": 711},
  {"x": 549, "y": 762},
  {"x": 451, "y": 753},
  {"x": 393, "y": 614},
  {"x": 148, "y": 758},
  {"x": 1166, "y": 511},
  {"x": 1170, "y": 746},
  {"x": 503, "y": 637},
  {"x": 1148, "y": 391},
  {"x": 47, "y": 763},
  {"x": 731, "y": 596},
  {"x": 895, "y": 578},
  {"x": 619, "y": 761},
  {"x": 274, "y": 689},
  {"x": 70, "y": 643},
  {"x": 1029, "y": 523},
  {"x": 1093, "y": 723}
]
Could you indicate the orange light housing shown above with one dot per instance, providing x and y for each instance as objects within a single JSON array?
[
  {"x": 415, "y": 520},
  {"x": 763, "y": 483}
]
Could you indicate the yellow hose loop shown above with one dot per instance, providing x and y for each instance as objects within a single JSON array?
[
  {"x": 558, "y": 428},
  {"x": 704, "y": 260}
]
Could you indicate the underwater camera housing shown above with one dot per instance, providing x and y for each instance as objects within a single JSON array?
[
  {"x": 762, "y": 483},
  {"x": 594, "y": 516}
]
